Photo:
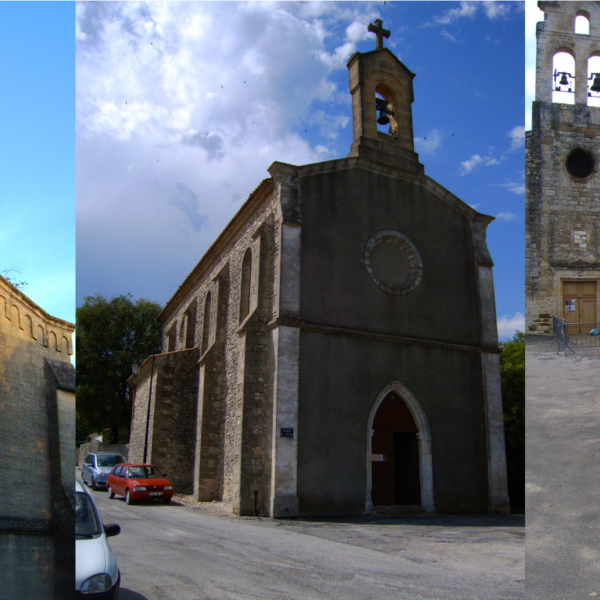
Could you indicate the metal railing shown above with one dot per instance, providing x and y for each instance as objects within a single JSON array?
[{"x": 570, "y": 336}]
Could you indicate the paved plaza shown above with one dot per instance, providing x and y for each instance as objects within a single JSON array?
[{"x": 563, "y": 474}]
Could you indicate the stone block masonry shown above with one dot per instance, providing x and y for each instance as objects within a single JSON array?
[{"x": 37, "y": 400}]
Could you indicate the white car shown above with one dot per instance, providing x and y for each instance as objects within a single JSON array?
[{"x": 97, "y": 576}]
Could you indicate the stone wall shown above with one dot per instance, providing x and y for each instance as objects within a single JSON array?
[
  {"x": 35, "y": 370},
  {"x": 234, "y": 402},
  {"x": 562, "y": 212},
  {"x": 174, "y": 418},
  {"x": 96, "y": 446}
]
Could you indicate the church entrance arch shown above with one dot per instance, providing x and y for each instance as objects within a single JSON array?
[{"x": 399, "y": 465}]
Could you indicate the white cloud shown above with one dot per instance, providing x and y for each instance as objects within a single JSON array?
[
  {"x": 339, "y": 57},
  {"x": 517, "y": 136},
  {"x": 506, "y": 216},
  {"x": 493, "y": 10},
  {"x": 79, "y": 11},
  {"x": 448, "y": 36},
  {"x": 357, "y": 32},
  {"x": 508, "y": 326},
  {"x": 177, "y": 123},
  {"x": 469, "y": 165},
  {"x": 515, "y": 188},
  {"x": 329, "y": 125},
  {"x": 322, "y": 149},
  {"x": 466, "y": 9},
  {"x": 429, "y": 143}
]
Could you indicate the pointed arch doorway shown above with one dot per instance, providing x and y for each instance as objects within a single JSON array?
[{"x": 399, "y": 465}]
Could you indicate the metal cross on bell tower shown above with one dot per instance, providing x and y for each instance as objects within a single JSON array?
[{"x": 380, "y": 32}]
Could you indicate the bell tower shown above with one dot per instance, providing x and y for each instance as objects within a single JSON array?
[
  {"x": 562, "y": 158},
  {"x": 380, "y": 83}
]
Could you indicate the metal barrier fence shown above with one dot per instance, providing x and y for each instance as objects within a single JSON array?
[{"x": 575, "y": 335}]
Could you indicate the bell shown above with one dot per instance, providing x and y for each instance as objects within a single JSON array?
[
  {"x": 564, "y": 80},
  {"x": 383, "y": 119},
  {"x": 596, "y": 85}
]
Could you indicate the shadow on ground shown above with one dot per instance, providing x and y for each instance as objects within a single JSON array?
[
  {"x": 517, "y": 521},
  {"x": 125, "y": 594}
]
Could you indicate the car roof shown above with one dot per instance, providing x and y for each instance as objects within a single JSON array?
[
  {"x": 79, "y": 487},
  {"x": 136, "y": 465}
]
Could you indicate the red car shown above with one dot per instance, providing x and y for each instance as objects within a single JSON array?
[{"x": 138, "y": 482}]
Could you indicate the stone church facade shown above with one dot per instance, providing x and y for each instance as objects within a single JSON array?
[
  {"x": 562, "y": 181},
  {"x": 37, "y": 450},
  {"x": 335, "y": 350}
]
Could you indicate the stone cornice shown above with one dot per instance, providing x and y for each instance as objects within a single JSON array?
[
  {"x": 18, "y": 298},
  {"x": 380, "y": 337},
  {"x": 227, "y": 235},
  {"x": 428, "y": 183}
]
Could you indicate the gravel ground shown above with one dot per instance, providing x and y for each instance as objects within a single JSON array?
[
  {"x": 190, "y": 551},
  {"x": 562, "y": 482}
]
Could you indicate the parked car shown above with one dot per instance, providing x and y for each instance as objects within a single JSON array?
[
  {"x": 139, "y": 482},
  {"x": 97, "y": 466},
  {"x": 96, "y": 572}
]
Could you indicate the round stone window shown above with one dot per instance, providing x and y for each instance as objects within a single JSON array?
[
  {"x": 393, "y": 262},
  {"x": 580, "y": 163}
]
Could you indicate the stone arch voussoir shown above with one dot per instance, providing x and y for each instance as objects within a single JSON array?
[{"x": 423, "y": 436}]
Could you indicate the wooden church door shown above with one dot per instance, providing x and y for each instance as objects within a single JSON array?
[
  {"x": 395, "y": 455},
  {"x": 579, "y": 300}
]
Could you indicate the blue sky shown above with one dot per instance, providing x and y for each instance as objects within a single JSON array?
[
  {"x": 181, "y": 108},
  {"x": 37, "y": 153}
]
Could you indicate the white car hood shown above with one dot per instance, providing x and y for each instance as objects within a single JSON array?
[{"x": 93, "y": 557}]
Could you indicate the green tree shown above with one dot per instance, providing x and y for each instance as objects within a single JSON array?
[
  {"x": 512, "y": 371},
  {"x": 110, "y": 336}
]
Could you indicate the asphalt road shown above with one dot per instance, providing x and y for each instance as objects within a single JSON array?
[
  {"x": 563, "y": 474},
  {"x": 178, "y": 552}
]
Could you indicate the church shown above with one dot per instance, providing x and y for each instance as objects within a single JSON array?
[
  {"x": 561, "y": 179},
  {"x": 335, "y": 351},
  {"x": 37, "y": 450}
]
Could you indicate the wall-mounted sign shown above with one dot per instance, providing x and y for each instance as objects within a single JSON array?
[
  {"x": 569, "y": 305},
  {"x": 287, "y": 432}
]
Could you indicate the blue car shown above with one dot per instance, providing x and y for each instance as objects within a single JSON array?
[{"x": 97, "y": 466}]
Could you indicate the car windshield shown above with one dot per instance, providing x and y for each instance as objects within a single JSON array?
[
  {"x": 86, "y": 523},
  {"x": 109, "y": 461},
  {"x": 144, "y": 472}
]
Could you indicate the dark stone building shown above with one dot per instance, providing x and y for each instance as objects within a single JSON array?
[
  {"x": 336, "y": 347},
  {"x": 37, "y": 451}
]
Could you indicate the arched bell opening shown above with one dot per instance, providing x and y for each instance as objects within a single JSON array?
[
  {"x": 563, "y": 77},
  {"x": 582, "y": 23},
  {"x": 385, "y": 111},
  {"x": 399, "y": 460},
  {"x": 593, "y": 91}
]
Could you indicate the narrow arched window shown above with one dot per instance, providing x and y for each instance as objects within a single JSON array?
[
  {"x": 563, "y": 78},
  {"x": 170, "y": 340},
  {"x": 206, "y": 324},
  {"x": 582, "y": 24},
  {"x": 182, "y": 330},
  {"x": 245, "y": 285},
  {"x": 190, "y": 332}
]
